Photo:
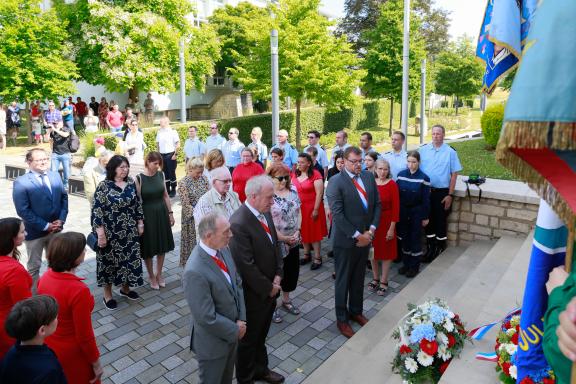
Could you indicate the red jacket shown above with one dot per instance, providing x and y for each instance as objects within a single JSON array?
[
  {"x": 15, "y": 284},
  {"x": 73, "y": 342},
  {"x": 240, "y": 176}
]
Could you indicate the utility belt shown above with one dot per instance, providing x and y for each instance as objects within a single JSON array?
[{"x": 438, "y": 190}]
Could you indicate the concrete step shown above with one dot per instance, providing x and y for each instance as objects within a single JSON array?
[
  {"x": 507, "y": 295},
  {"x": 366, "y": 356}
]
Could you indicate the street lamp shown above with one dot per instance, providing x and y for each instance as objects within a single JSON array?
[
  {"x": 405, "y": 69},
  {"x": 275, "y": 81}
]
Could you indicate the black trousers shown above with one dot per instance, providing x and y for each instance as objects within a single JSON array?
[
  {"x": 350, "y": 265},
  {"x": 169, "y": 169},
  {"x": 252, "y": 358},
  {"x": 291, "y": 270},
  {"x": 410, "y": 231},
  {"x": 436, "y": 228}
]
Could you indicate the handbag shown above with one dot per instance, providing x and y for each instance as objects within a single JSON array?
[{"x": 92, "y": 241}]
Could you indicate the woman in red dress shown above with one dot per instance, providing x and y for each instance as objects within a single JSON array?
[
  {"x": 244, "y": 172},
  {"x": 310, "y": 186},
  {"x": 385, "y": 237},
  {"x": 73, "y": 342},
  {"x": 15, "y": 282}
]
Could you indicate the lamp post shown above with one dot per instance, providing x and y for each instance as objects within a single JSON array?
[
  {"x": 423, "y": 126},
  {"x": 405, "y": 69},
  {"x": 275, "y": 84},
  {"x": 182, "y": 83}
]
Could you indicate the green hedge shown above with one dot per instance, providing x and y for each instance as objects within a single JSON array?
[{"x": 491, "y": 123}]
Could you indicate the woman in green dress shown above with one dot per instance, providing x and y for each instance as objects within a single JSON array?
[
  {"x": 158, "y": 218},
  {"x": 190, "y": 189}
]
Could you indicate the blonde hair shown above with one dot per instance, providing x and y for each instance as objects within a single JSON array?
[
  {"x": 194, "y": 163},
  {"x": 385, "y": 162},
  {"x": 213, "y": 155},
  {"x": 258, "y": 132}
]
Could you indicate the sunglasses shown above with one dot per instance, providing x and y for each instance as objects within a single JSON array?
[
  {"x": 282, "y": 178},
  {"x": 311, "y": 137}
]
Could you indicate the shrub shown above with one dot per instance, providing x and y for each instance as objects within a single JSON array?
[{"x": 491, "y": 123}]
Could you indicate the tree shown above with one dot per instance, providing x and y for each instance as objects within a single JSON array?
[
  {"x": 134, "y": 44},
  {"x": 235, "y": 29},
  {"x": 362, "y": 16},
  {"x": 313, "y": 63},
  {"x": 458, "y": 72},
  {"x": 34, "y": 56},
  {"x": 383, "y": 62}
]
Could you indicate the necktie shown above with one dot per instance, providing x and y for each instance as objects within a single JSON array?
[
  {"x": 218, "y": 260},
  {"x": 43, "y": 177},
  {"x": 361, "y": 191},
  {"x": 265, "y": 225}
]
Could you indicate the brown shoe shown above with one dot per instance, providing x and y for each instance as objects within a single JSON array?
[
  {"x": 272, "y": 377},
  {"x": 345, "y": 329},
  {"x": 360, "y": 319}
]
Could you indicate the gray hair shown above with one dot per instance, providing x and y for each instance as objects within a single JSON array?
[
  {"x": 208, "y": 223},
  {"x": 107, "y": 154},
  {"x": 384, "y": 162},
  {"x": 217, "y": 172},
  {"x": 255, "y": 184}
]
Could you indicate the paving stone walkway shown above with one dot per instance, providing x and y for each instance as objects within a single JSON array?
[{"x": 147, "y": 341}]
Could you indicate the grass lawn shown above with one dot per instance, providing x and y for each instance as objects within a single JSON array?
[{"x": 475, "y": 158}]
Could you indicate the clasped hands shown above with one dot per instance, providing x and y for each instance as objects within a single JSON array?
[
  {"x": 364, "y": 239},
  {"x": 241, "y": 328},
  {"x": 56, "y": 226}
]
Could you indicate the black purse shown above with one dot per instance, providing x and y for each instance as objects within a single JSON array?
[{"x": 92, "y": 241}]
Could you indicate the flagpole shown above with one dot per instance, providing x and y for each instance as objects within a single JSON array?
[
  {"x": 405, "y": 69},
  {"x": 568, "y": 267}
]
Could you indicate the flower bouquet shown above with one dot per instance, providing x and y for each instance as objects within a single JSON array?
[
  {"x": 429, "y": 336},
  {"x": 506, "y": 348}
]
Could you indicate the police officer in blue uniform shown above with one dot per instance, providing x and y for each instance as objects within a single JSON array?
[
  {"x": 397, "y": 156},
  {"x": 440, "y": 162},
  {"x": 414, "y": 187}
]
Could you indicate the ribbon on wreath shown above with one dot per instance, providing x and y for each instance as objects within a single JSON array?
[{"x": 480, "y": 332}]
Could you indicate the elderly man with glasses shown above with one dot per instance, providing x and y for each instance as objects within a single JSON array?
[
  {"x": 290, "y": 153},
  {"x": 232, "y": 149}
]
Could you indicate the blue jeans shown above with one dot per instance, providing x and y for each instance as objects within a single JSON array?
[
  {"x": 63, "y": 159},
  {"x": 70, "y": 125}
]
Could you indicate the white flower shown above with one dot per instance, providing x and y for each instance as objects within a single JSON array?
[
  {"x": 411, "y": 365},
  {"x": 510, "y": 332},
  {"x": 511, "y": 348},
  {"x": 513, "y": 371},
  {"x": 425, "y": 359},
  {"x": 442, "y": 338},
  {"x": 451, "y": 314},
  {"x": 443, "y": 353},
  {"x": 448, "y": 325}
]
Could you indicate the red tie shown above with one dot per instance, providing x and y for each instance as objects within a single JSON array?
[
  {"x": 220, "y": 263},
  {"x": 262, "y": 220},
  {"x": 359, "y": 188}
]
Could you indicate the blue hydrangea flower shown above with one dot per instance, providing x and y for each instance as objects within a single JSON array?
[
  {"x": 422, "y": 331},
  {"x": 437, "y": 314}
]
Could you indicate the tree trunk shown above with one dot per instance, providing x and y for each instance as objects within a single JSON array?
[
  {"x": 298, "y": 128},
  {"x": 391, "y": 116},
  {"x": 133, "y": 93},
  {"x": 28, "y": 122},
  {"x": 456, "y": 104}
]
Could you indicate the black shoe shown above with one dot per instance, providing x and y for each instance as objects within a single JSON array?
[
  {"x": 430, "y": 251},
  {"x": 402, "y": 270},
  {"x": 306, "y": 259},
  {"x": 330, "y": 254},
  {"x": 368, "y": 265},
  {"x": 397, "y": 260},
  {"x": 412, "y": 272},
  {"x": 316, "y": 264},
  {"x": 271, "y": 377},
  {"x": 172, "y": 194},
  {"x": 131, "y": 295},
  {"x": 110, "y": 304}
]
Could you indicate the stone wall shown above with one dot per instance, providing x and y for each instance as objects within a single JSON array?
[{"x": 507, "y": 208}]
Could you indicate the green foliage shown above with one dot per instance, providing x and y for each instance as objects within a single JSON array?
[
  {"x": 135, "y": 44},
  {"x": 491, "y": 123},
  {"x": 235, "y": 29},
  {"x": 34, "y": 53},
  {"x": 476, "y": 158},
  {"x": 313, "y": 63},
  {"x": 383, "y": 61},
  {"x": 458, "y": 72},
  {"x": 506, "y": 82}
]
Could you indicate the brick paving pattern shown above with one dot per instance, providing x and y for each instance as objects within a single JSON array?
[{"x": 147, "y": 341}]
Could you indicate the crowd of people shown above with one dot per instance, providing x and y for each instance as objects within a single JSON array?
[{"x": 246, "y": 212}]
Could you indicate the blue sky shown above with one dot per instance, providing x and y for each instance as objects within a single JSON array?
[{"x": 466, "y": 15}]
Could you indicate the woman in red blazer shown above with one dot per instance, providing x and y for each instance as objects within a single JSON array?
[
  {"x": 73, "y": 342},
  {"x": 15, "y": 282}
]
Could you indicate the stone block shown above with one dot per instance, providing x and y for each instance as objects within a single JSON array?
[
  {"x": 482, "y": 219},
  {"x": 463, "y": 227},
  {"x": 453, "y": 227},
  {"x": 516, "y": 205},
  {"x": 521, "y": 214},
  {"x": 494, "y": 222},
  {"x": 465, "y": 236},
  {"x": 532, "y": 207},
  {"x": 504, "y": 203},
  {"x": 466, "y": 217},
  {"x": 452, "y": 237},
  {"x": 480, "y": 230},
  {"x": 504, "y": 232},
  {"x": 481, "y": 237},
  {"x": 487, "y": 209},
  {"x": 515, "y": 226}
]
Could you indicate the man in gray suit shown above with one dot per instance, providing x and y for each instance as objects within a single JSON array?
[
  {"x": 214, "y": 293},
  {"x": 355, "y": 205}
]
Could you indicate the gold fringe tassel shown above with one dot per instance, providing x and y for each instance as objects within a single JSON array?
[
  {"x": 526, "y": 134},
  {"x": 537, "y": 182}
]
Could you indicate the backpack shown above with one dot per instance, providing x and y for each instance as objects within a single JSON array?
[{"x": 73, "y": 143}]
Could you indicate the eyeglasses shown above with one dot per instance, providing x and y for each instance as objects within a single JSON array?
[
  {"x": 282, "y": 178},
  {"x": 43, "y": 160},
  {"x": 354, "y": 162},
  {"x": 226, "y": 181},
  {"x": 311, "y": 137},
  {"x": 231, "y": 133},
  {"x": 124, "y": 167}
]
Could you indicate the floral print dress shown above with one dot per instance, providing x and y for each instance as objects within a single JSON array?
[
  {"x": 285, "y": 212},
  {"x": 118, "y": 210},
  {"x": 190, "y": 191}
]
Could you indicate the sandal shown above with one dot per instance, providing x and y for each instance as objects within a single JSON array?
[
  {"x": 373, "y": 285},
  {"x": 306, "y": 259},
  {"x": 276, "y": 317},
  {"x": 382, "y": 289},
  {"x": 317, "y": 263},
  {"x": 290, "y": 308}
]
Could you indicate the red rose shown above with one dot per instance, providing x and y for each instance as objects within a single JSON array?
[
  {"x": 527, "y": 380},
  {"x": 456, "y": 317},
  {"x": 443, "y": 366},
  {"x": 429, "y": 347},
  {"x": 451, "y": 341},
  {"x": 514, "y": 339},
  {"x": 405, "y": 349},
  {"x": 507, "y": 325},
  {"x": 506, "y": 368},
  {"x": 548, "y": 380}
]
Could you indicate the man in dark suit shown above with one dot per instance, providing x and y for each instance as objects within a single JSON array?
[
  {"x": 355, "y": 206},
  {"x": 214, "y": 293},
  {"x": 42, "y": 203},
  {"x": 257, "y": 255}
]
